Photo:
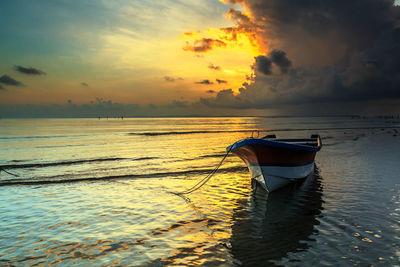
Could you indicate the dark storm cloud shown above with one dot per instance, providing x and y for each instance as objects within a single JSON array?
[
  {"x": 205, "y": 82},
  {"x": 340, "y": 52},
  {"x": 29, "y": 71},
  {"x": 204, "y": 45},
  {"x": 214, "y": 67},
  {"x": 84, "y": 84},
  {"x": 172, "y": 79},
  {"x": 221, "y": 81},
  {"x": 375, "y": 72},
  {"x": 210, "y": 92},
  {"x": 358, "y": 23},
  {"x": 224, "y": 98},
  {"x": 264, "y": 65},
  {"x": 7, "y": 80},
  {"x": 368, "y": 76},
  {"x": 279, "y": 58}
]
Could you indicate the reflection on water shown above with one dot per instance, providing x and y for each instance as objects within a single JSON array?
[
  {"x": 276, "y": 223},
  {"x": 123, "y": 214}
]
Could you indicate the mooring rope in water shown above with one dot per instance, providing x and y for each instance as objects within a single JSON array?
[
  {"x": 15, "y": 175},
  {"x": 205, "y": 179}
]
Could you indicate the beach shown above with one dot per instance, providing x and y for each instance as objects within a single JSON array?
[{"x": 98, "y": 192}]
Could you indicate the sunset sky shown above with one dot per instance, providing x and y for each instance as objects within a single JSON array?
[{"x": 209, "y": 57}]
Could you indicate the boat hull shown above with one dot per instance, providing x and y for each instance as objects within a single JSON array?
[
  {"x": 274, "y": 164},
  {"x": 272, "y": 178}
]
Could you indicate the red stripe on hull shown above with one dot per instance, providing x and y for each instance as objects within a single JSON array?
[{"x": 273, "y": 155}]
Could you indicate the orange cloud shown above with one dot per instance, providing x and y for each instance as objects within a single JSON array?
[
  {"x": 245, "y": 34},
  {"x": 233, "y": 47},
  {"x": 203, "y": 45}
]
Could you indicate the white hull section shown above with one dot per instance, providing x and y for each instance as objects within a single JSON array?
[{"x": 275, "y": 177}]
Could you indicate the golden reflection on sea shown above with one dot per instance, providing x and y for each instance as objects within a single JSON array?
[{"x": 122, "y": 212}]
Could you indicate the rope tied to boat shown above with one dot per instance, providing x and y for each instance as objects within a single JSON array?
[{"x": 205, "y": 179}]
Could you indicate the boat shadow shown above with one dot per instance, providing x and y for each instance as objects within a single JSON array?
[{"x": 269, "y": 226}]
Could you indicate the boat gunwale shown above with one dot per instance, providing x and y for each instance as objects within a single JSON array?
[{"x": 276, "y": 143}]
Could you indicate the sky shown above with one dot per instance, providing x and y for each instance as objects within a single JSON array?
[{"x": 89, "y": 58}]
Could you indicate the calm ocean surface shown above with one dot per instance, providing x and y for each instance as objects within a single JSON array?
[{"x": 96, "y": 192}]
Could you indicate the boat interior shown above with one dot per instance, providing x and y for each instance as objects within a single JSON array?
[{"x": 314, "y": 140}]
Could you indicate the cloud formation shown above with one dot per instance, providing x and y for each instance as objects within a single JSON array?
[
  {"x": 281, "y": 61},
  {"x": 7, "y": 80},
  {"x": 28, "y": 71},
  {"x": 263, "y": 64},
  {"x": 172, "y": 79},
  {"x": 214, "y": 67},
  {"x": 100, "y": 107},
  {"x": 221, "y": 81},
  {"x": 203, "y": 45},
  {"x": 84, "y": 84},
  {"x": 329, "y": 52},
  {"x": 205, "y": 82}
]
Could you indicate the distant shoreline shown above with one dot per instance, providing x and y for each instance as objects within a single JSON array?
[{"x": 204, "y": 116}]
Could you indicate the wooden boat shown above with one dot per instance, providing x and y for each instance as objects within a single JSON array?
[{"x": 274, "y": 163}]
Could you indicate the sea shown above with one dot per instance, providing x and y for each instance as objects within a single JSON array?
[{"x": 102, "y": 192}]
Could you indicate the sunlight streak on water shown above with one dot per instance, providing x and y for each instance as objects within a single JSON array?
[{"x": 346, "y": 214}]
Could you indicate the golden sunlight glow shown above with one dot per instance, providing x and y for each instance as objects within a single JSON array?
[
  {"x": 233, "y": 39},
  {"x": 143, "y": 67},
  {"x": 224, "y": 60},
  {"x": 232, "y": 51}
]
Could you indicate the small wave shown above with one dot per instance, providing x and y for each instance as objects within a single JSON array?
[
  {"x": 18, "y": 160},
  {"x": 61, "y": 179},
  {"x": 205, "y": 221},
  {"x": 72, "y": 162},
  {"x": 333, "y": 144},
  {"x": 38, "y": 137},
  {"x": 214, "y": 156},
  {"x": 187, "y": 132},
  {"x": 262, "y": 130},
  {"x": 61, "y": 146}
]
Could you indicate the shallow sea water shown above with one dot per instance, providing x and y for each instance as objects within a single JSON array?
[{"x": 97, "y": 193}]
